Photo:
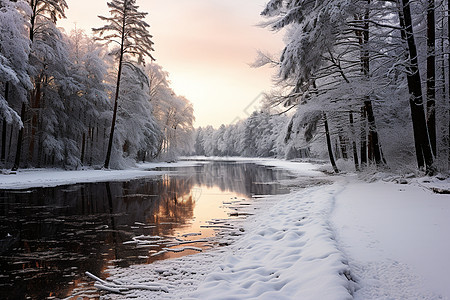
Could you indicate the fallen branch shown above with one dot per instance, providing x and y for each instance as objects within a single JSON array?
[{"x": 115, "y": 287}]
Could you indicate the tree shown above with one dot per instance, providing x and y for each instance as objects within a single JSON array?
[
  {"x": 318, "y": 63},
  {"x": 174, "y": 114},
  {"x": 424, "y": 152},
  {"x": 329, "y": 146},
  {"x": 126, "y": 27},
  {"x": 14, "y": 53},
  {"x": 43, "y": 13},
  {"x": 89, "y": 105},
  {"x": 137, "y": 128},
  {"x": 363, "y": 37},
  {"x": 431, "y": 75}
]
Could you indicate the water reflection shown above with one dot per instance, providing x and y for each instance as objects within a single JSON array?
[{"x": 50, "y": 236}]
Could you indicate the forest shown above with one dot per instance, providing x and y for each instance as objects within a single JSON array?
[
  {"x": 57, "y": 91},
  {"x": 363, "y": 83}
]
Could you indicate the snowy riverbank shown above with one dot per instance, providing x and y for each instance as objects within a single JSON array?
[
  {"x": 31, "y": 178},
  {"x": 343, "y": 239}
]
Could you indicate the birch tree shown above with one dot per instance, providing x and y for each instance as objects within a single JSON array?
[{"x": 127, "y": 28}]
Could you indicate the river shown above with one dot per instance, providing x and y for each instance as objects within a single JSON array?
[{"x": 49, "y": 237}]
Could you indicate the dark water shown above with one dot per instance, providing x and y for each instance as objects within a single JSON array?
[{"x": 49, "y": 237}]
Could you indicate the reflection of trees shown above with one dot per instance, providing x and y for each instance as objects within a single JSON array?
[
  {"x": 247, "y": 179},
  {"x": 54, "y": 229},
  {"x": 154, "y": 201},
  {"x": 177, "y": 203}
]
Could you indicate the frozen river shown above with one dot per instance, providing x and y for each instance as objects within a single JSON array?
[{"x": 49, "y": 237}]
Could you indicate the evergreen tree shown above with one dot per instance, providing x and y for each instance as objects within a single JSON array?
[{"x": 127, "y": 27}]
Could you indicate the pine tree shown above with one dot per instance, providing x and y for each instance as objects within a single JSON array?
[{"x": 127, "y": 27}]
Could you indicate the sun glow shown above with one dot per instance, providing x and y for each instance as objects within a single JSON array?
[{"x": 206, "y": 46}]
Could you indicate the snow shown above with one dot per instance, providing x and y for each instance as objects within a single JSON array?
[
  {"x": 338, "y": 237},
  {"x": 343, "y": 240},
  {"x": 30, "y": 178},
  {"x": 288, "y": 253},
  {"x": 397, "y": 239},
  {"x": 284, "y": 251}
]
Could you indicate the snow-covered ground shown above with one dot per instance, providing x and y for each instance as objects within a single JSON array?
[
  {"x": 342, "y": 239},
  {"x": 30, "y": 178},
  {"x": 396, "y": 238}
]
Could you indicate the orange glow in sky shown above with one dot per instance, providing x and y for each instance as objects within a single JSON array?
[{"x": 206, "y": 46}]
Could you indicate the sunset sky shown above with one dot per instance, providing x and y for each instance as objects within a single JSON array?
[{"x": 206, "y": 46}]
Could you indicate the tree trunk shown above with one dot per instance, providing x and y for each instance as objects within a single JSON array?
[
  {"x": 343, "y": 145},
  {"x": 11, "y": 131},
  {"x": 83, "y": 147},
  {"x": 19, "y": 140},
  {"x": 35, "y": 104},
  {"x": 330, "y": 147},
  {"x": 431, "y": 75},
  {"x": 363, "y": 138},
  {"x": 355, "y": 150},
  {"x": 3, "y": 154},
  {"x": 448, "y": 99},
  {"x": 374, "y": 145},
  {"x": 94, "y": 128},
  {"x": 116, "y": 98},
  {"x": 424, "y": 153}
]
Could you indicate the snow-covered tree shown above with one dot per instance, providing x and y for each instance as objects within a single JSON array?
[
  {"x": 175, "y": 114},
  {"x": 127, "y": 27},
  {"x": 89, "y": 105},
  {"x": 55, "y": 106},
  {"x": 14, "y": 52},
  {"x": 42, "y": 18},
  {"x": 348, "y": 58},
  {"x": 137, "y": 129}
]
